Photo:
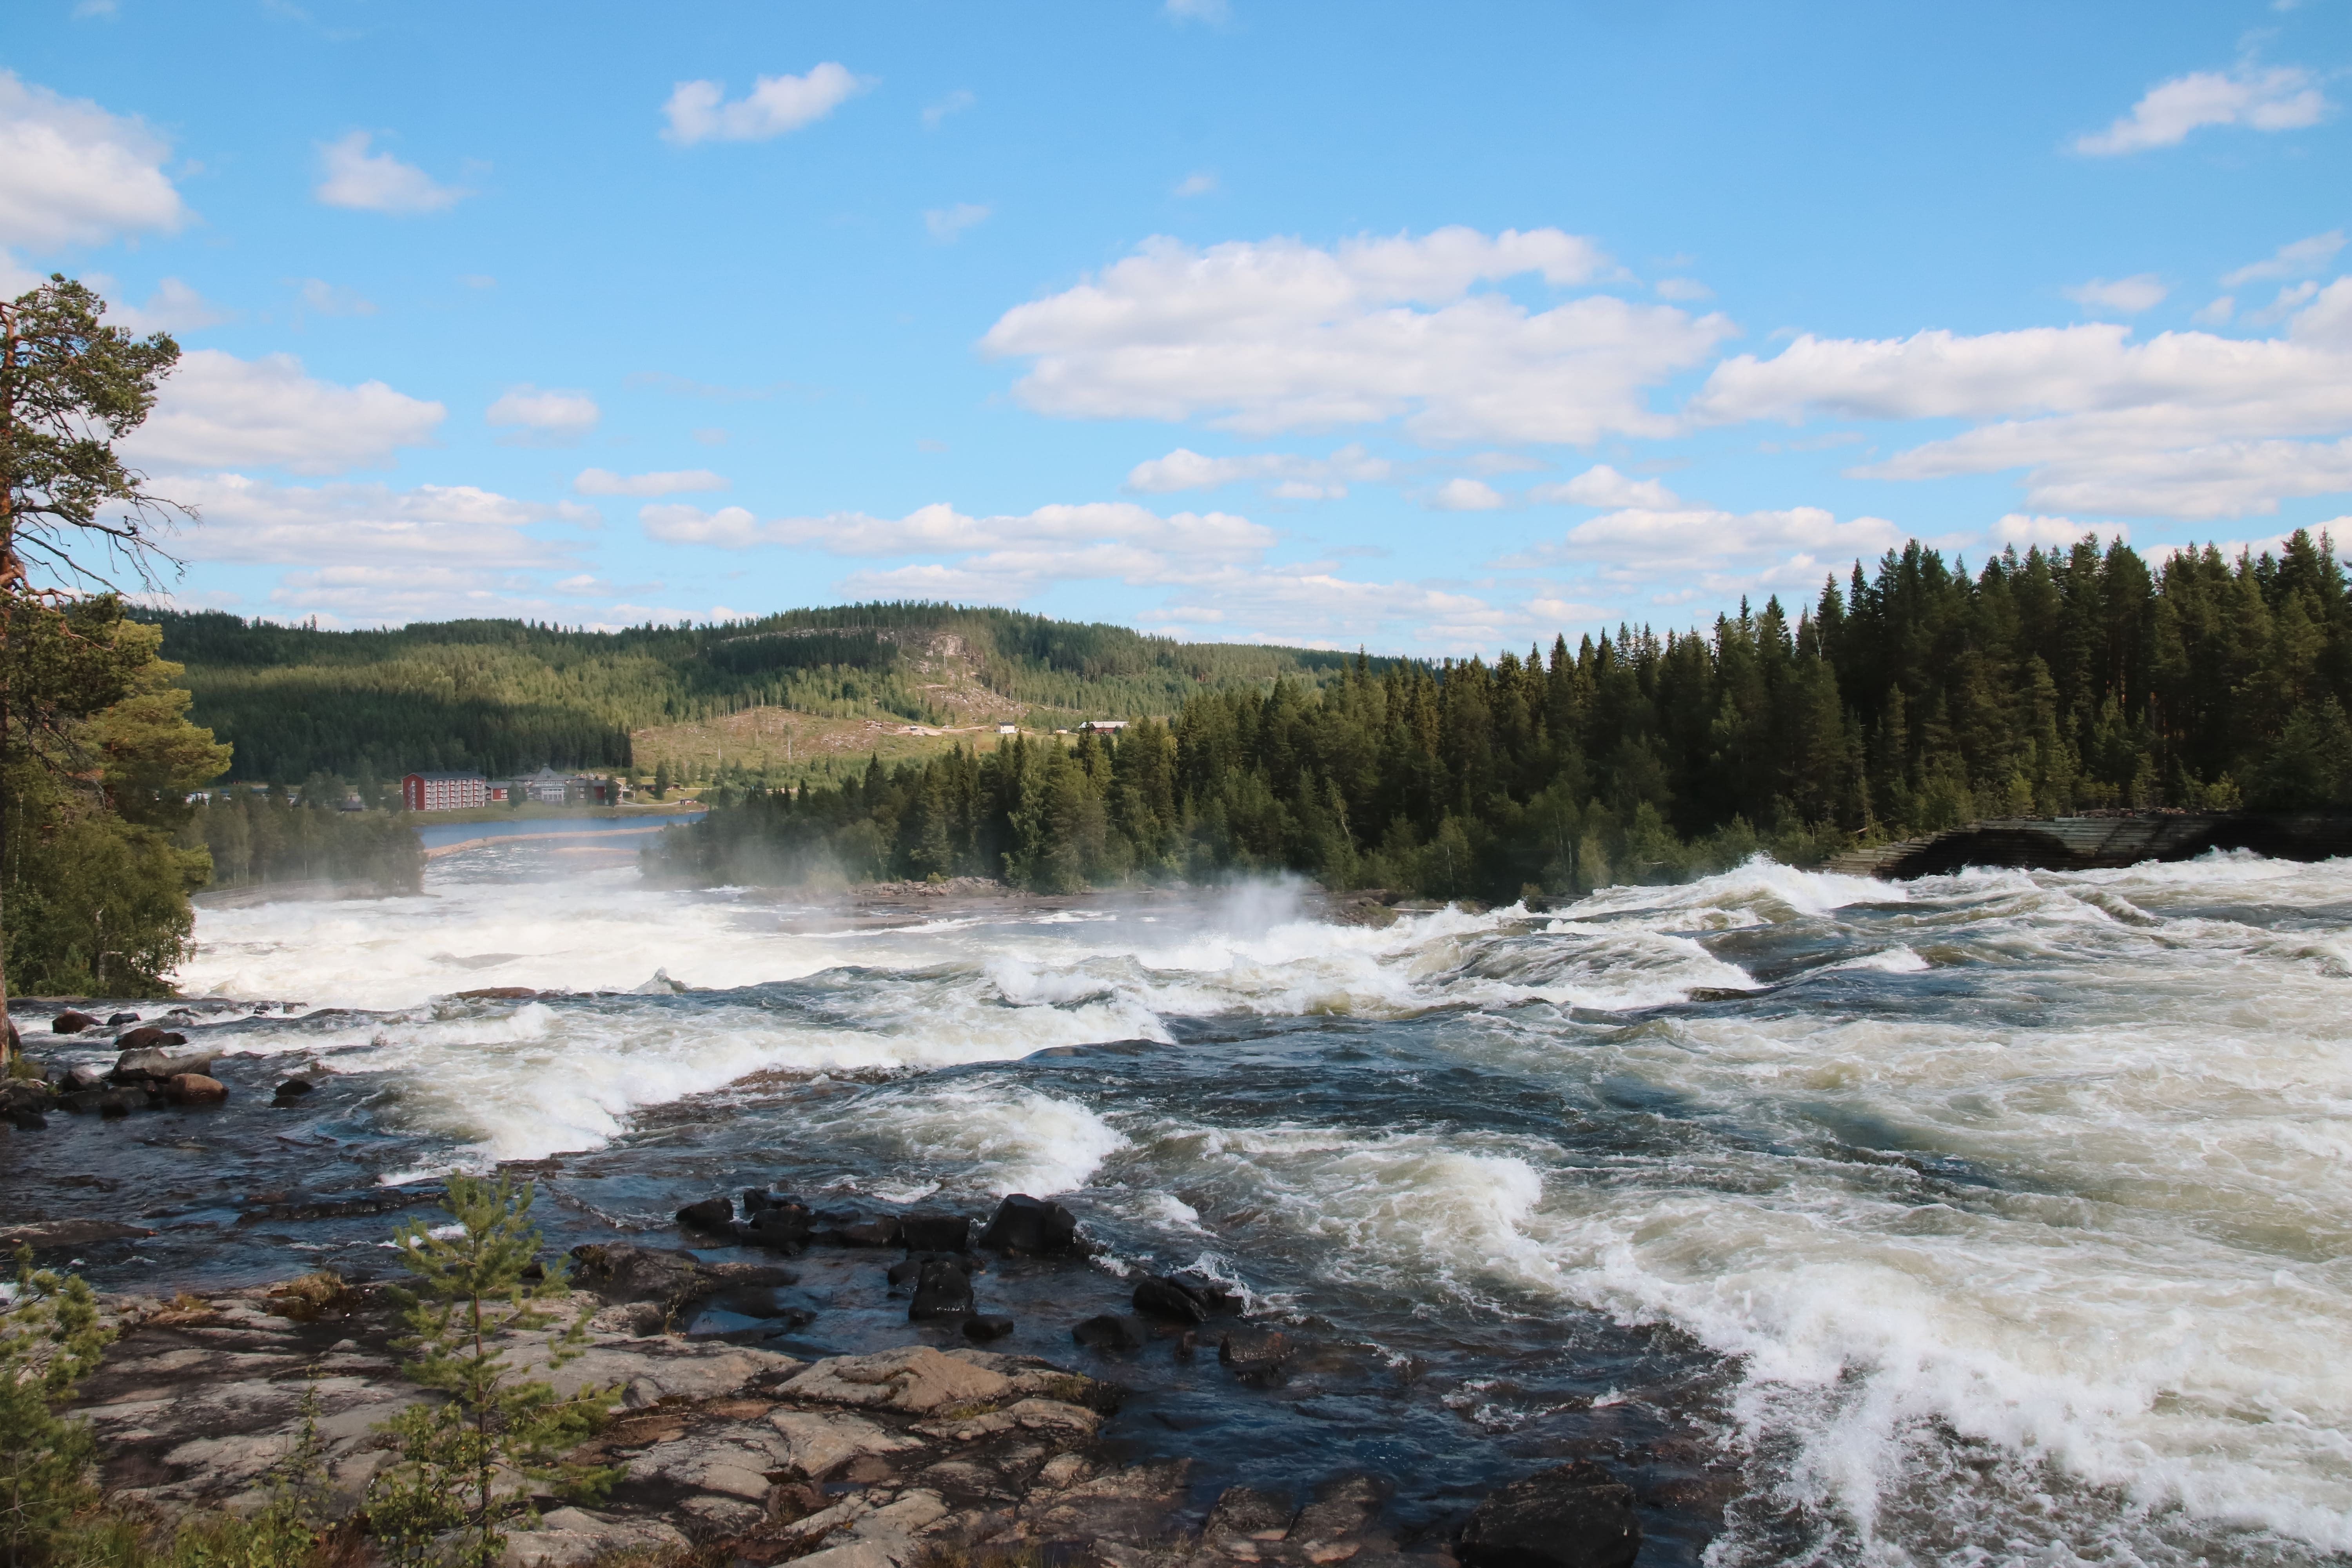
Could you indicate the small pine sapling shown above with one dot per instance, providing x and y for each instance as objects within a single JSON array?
[
  {"x": 473, "y": 1459},
  {"x": 49, "y": 1340}
]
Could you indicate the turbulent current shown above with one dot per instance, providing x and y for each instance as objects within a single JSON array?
[{"x": 1993, "y": 1218}]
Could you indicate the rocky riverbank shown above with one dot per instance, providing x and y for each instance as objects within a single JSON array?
[{"x": 729, "y": 1452}]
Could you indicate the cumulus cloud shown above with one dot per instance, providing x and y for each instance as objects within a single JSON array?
[
  {"x": 697, "y": 110},
  {"x": 2185, "y": 424},
  {"x": 2275, "y": 98},
  {"x": 1466, "y": 495},
  {"x": 1280, "y": 335},
  {"x": 543, "y": 418},
  {"x": 1200, "y": 183},
  {"x": 172, "y": 308},
  {"x": 352, "y": 177},
  {"x": 1601, "y": 485},
  {"x": 1286, "y": 475},
  {"x": 2296, "y": 260},
  {"x": 605, "y": 482},
  {"x": 218, "y": 411},
  {"x": 2141, "y": 292},
  {"x": 251, "y": 520},
  {"x": 72, "y": 173},
  {"x": 1685, "y": 289},
  {"x": 947, "y": 224}
]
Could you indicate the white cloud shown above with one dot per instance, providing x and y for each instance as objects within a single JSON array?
[
  {"x": 1466, "y": 495},
  {"x": 249, "y": 519},
  {"x": 2296, "y": 260},
  {"x": 1694, "y": 536},
  {"x": 1604, "y": 486},
  {"x": 2287, "y": 301},
  {"x": 1684, "y": 289},
  {"x": 2103, "y": 423},
  {"x": 1051, "y": 532},
  {"x": 947, "y": 224},
  {"x": 955, "y": 102},
  {"x": 352, "y": 177},
  {"x": 2216, "y": 313},
  {"x": 2025, "y": 531},
  {"x": 549, "y": 417},
  {"x": 219, "y": 411},
  {"x": 2279, "y": 97},
  {"x": 2141, "y": 292},
  {"x": 326, "y": 299},
  {"x": 172, "y": 308},
  {"x": 72, "y": 173},
  {"x": 604, "y": 482},
  {"x": 1200, "y": 183},
  {"x": 1287, "y": 475},
  {"x": 775, "y": 105},
  {"x": 1281, "y": 335},
  {"x": 1198, "y": 10}
]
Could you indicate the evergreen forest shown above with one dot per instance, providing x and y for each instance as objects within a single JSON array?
[
  {"x": 503, "y": 697},
  {"x": 1911, "y": 697}
]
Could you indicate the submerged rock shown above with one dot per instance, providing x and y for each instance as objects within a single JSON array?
[
  {"x": 72, "y": 1022},
  {"x": 986, "y": 1326},
  {"x": 148, "y": 1038},
  {"x": 1259, "y": 1356},
  {"x": 1112, "y": 1331},
  {"x": 1572, "y": 1516}
]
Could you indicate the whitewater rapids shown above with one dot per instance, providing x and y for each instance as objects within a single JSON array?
[{"x": 2013, "y": 1205}]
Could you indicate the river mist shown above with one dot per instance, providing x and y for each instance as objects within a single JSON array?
[{"x": 1990, "y": 1219}]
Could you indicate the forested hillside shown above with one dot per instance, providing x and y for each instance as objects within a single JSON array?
[
  {"x": 1905, "y": 700},
  {"x": 502, "y": 696}
]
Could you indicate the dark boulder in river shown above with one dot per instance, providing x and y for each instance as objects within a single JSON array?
[
  {"x": 921, "y": 1232},
  {"x": 1031, "y": 1226},
  {"x": 1573, "y": 1516},
  {"x": 1183, "y": 1298},
  {"x": 942, "y": 1291},
  {"x": 71, "y": 1022},
  {"x": 982, "y": 1327},
  {"x": 715, "y": 1217},
  {"x": 148, "y": 1038}
]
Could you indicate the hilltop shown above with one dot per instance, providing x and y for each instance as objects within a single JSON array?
[{"x": 767, "y": 694}]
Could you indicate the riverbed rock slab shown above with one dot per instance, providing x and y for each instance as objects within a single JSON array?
[
  {"x": 917, "y": 1379},
  {"x": 573, "y": 1537},
  {"x": 818, "y": 1443}
]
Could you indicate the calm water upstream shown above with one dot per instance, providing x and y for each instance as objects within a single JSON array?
[{"x": 2002, "y": 1218}]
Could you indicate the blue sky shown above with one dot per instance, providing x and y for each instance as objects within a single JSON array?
[{"x": 1425, "y": 328}]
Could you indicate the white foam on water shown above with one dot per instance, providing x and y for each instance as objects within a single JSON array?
[{"x": 985, "y": 1138}]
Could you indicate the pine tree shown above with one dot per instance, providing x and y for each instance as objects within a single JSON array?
[{"x": 465, "y": 1459}]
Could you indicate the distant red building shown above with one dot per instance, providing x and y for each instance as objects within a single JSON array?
[{"x": 444, "y": 792}]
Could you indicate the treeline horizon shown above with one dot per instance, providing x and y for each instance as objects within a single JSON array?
[
  {"x": 505, "y": 697},
  {"x": 1909, "y": 699}
]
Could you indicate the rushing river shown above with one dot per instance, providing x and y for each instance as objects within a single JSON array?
[{"x": 1998, "y": 1218}]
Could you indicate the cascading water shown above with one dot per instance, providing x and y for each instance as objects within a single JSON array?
[{"x": 1996, "y": 1218}]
